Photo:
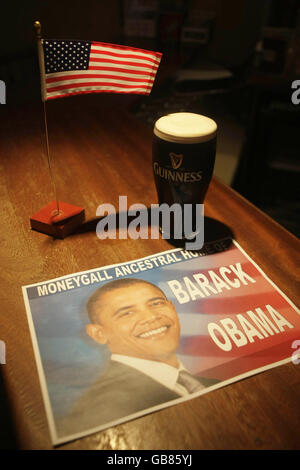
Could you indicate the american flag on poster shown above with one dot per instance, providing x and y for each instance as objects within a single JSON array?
[{"x": 74, "y": 67}]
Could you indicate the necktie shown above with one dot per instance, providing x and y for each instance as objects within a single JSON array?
[{"x": 189, "y": 381}]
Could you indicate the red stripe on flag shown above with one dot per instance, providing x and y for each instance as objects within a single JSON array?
[
  {"x": 96, "y": 75},
  {"x": 235, "y": 304},
  {"x": 125, "y": 56},
  {"x": 86, "y": 92},
  {"x": 126, "y": 48},
  {"x": 91, "y": 84},
  {"x": 131, "y": 64},
  {"x": 119, "y": 69}
]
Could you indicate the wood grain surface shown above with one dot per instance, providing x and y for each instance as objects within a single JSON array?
[{"x": 100, "y": 151}]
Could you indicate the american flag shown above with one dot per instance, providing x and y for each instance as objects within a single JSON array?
[{"x": 74, "y": 67}]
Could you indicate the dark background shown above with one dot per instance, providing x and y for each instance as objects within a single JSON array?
[{"x": 257, "y": 41}]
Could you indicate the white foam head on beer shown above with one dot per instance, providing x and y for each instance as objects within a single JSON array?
[{"x": 185, "y": 128}]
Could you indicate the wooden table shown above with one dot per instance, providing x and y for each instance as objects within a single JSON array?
[{"x": 101, "y": 152}]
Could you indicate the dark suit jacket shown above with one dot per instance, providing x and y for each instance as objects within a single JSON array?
[{"x": 119, "y": 392}]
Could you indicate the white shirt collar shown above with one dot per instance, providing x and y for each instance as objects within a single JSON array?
[{"x": 159, "y": 371}]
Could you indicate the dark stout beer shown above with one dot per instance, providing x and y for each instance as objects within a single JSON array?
[{"x": 184, "y": 148}]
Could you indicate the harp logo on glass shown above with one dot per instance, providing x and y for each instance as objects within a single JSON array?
[
  {"x": 2, "y": 352},
  {"x": 2, "y": 92},
  {"x": 176, "y": 160}
]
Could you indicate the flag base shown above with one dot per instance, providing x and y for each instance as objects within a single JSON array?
[{"x": 49, "y": 222}]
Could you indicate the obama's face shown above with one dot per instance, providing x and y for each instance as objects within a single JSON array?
[{"x": 137, "y": 320}]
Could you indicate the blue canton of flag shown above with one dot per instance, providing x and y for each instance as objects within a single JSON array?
[{"x": 61, "y": 56}]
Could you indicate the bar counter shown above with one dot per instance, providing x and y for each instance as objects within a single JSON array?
[{"x": 100, "y": 151}]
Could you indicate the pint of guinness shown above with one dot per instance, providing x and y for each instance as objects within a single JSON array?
[{"x": 184, "y": 148}]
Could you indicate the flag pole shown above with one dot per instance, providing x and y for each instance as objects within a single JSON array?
[{"x": 38, "y": 29}]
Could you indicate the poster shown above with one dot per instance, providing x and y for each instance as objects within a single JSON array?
[{"x": 117, "y": 342}]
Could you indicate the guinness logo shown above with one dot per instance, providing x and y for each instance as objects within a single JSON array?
[{"x": 176, "y": 160}]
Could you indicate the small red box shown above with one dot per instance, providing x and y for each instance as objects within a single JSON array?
[{"x": 58, "y": 226}]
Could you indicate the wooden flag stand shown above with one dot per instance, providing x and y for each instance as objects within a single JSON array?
[
  {"x": 61, "y": 225},
  {"x": 57, "y": 219}
]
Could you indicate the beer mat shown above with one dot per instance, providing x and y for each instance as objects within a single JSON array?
[{"x": 117, "y": 342}]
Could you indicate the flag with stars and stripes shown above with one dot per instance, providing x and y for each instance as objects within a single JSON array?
[{"x": 74, "y": 67}]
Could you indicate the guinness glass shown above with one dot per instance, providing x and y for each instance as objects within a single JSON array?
[{"x": 184, "y": 148}]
